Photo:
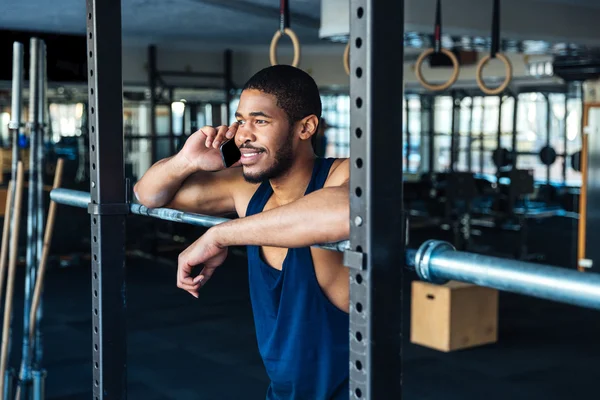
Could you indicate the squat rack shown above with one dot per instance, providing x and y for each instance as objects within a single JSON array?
[{"x": 377, "y": 253}]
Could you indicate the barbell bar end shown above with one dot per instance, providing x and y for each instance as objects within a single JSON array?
[{"x": 423, "y": 256}]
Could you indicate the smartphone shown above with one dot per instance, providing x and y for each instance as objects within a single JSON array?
[{"x": 230, "y": 153}]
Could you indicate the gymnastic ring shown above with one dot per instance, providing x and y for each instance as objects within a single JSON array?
[
  {"x": 347, "y": 59},
  {"x": 479, "y": 78},
  {"x": 448, "y": 83},
  {"x": 295, "y": 42}
]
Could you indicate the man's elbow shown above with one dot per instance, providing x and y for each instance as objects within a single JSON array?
[
  {"x": 342, "y": 223},
  {"x": 147, "y": 199}
]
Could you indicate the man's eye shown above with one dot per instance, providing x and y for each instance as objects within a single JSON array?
[
  {"x": 261, "y": 121},
  {"x": 240, "y": 122}
]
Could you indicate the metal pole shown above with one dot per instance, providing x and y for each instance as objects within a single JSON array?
[
  {"x": 481, "y": 137},
  {"x": 470, "y": 138},
  {"x": 39, "y": 385},
  {"x": 79, "y": 199},
  {"x": 40, "y": 228},
  {"x": 407, "y": 137},
  {"x": 171, "y": 131},
  {"x": 16, "y": 104},
  {"x": 14, "y": 125},
  {"x": 565, "y": 141},
  {"x": 548, "y": 127},
  {"x": 152, "y": 78},
  {"x": 453, "y": 132},
  {"x": 499, "y": 139},
  {"x": 376, "y": 289},
  {"x": 438, "y": 262},
  {"x": 31, "y": 256},
  {"x": 9, "y": 380},
  {"x": 228, "y": 83},
  {"x": 429, "y": 102},
  {"x": 108, "y": 196},
  {"x": 514, "y": 132}
]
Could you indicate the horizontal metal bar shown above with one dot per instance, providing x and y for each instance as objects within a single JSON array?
[
  {"x": 438, "y": 262},
  {"x": 435, "y": 261},
  {"x": 81, "y": 199}
]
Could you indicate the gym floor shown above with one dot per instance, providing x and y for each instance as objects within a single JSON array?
[{"x": 183, "y": 348}]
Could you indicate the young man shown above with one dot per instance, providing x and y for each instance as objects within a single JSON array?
[{"x": 287, "y": 200}]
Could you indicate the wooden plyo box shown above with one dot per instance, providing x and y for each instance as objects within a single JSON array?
[{"x": 453, "y": 316}]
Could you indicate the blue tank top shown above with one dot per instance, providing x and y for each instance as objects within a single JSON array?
[{"x": 302, "y": 337}]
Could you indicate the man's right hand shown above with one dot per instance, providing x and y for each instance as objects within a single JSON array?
[{"x": 201, "y": 149}]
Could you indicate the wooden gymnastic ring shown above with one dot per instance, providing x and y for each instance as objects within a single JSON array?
[
  {"x": 448, "y": 83},
  {"x": 347, "y": 59},
  {"x": 295, "y": 42},
  {"x": 504, "y": 85}
]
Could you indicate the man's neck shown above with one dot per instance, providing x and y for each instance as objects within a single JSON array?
[{"x": 292, "y": 185}]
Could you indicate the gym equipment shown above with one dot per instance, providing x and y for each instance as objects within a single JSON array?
[
  {"x": 80, "y": 199},
  {"x": 438, "y": 262},
  {"x": 547, "y": 155},
  {"x": 39, "y": 282},
  {"x": 284, "y": 29},
  {"x": 436, "y": 51},
  {"x": 502, "y": 157},
  {"x": 32, "y": 351},
  {"x": 15, "y": 215},
  {"x": 576, "y": 161},
  {"x": 494, "y": 53},
  {"x": 582, "y": 261},
  {"x": 435, "y": 261},
  {"x": 376, "y": 280}
]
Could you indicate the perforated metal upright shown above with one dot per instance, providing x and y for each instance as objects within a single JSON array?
[
  {"x": 108, "y": 195},
  {"x": 377, "y": 223}
]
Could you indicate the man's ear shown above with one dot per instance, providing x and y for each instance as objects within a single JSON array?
[{"x": 308, "y": 126}]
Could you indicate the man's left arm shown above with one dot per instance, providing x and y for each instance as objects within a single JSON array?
[
  {"x": 319, "y": 217},
  {"x": 322, "y": 216}
]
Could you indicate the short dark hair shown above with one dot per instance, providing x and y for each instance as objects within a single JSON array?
[{"x": 296, "y": 91}]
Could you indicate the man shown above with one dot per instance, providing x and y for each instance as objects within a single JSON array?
[{"x": 287, "y": 200}]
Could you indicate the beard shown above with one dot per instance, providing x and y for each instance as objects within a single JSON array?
[{"x": 282, "y": 163}]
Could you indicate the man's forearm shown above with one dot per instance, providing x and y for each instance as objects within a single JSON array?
[
  {"x": 160, "y": 183},
  {"x": 320, "y": 217}
]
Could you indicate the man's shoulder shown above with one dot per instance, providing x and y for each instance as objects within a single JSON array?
[{"x": 339, "y": 173}]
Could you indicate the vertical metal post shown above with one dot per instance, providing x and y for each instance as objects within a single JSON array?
[
  {"x": 376, "y": 290},
  {"x": 9, "y": 381},
  {"x": 514, "y": 131},
  {"x": 15, "y": 125},
  {"x": 407, "y": 137},
  {"x": 171, "y": 131},
  {"x": 107, "y": 186},
  {"x": 16, "y": 104},
  {"x": 565, "y": 141},
  {"x": 39, "y": 386},
  {"x": 470, "y": 138},
  {"x": 548, "y": 127},
  {"x": 228, "y": 83},
  {"x": 499, "y": 137},
  {"x": 193, "y": 107},
  {"x": 453, "y": 133},
  {"x": 481, "y": 137},
  {"x": 431, "y": 122},
  {"x": 31, "y": 255},
  {"x": 40, "y": 192},
  {"x": 152, "y": 78}
]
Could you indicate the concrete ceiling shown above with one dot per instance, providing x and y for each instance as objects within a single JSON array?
[
  {"x": 185, "y": 22},
  {"x": 196, "y": 23}
]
